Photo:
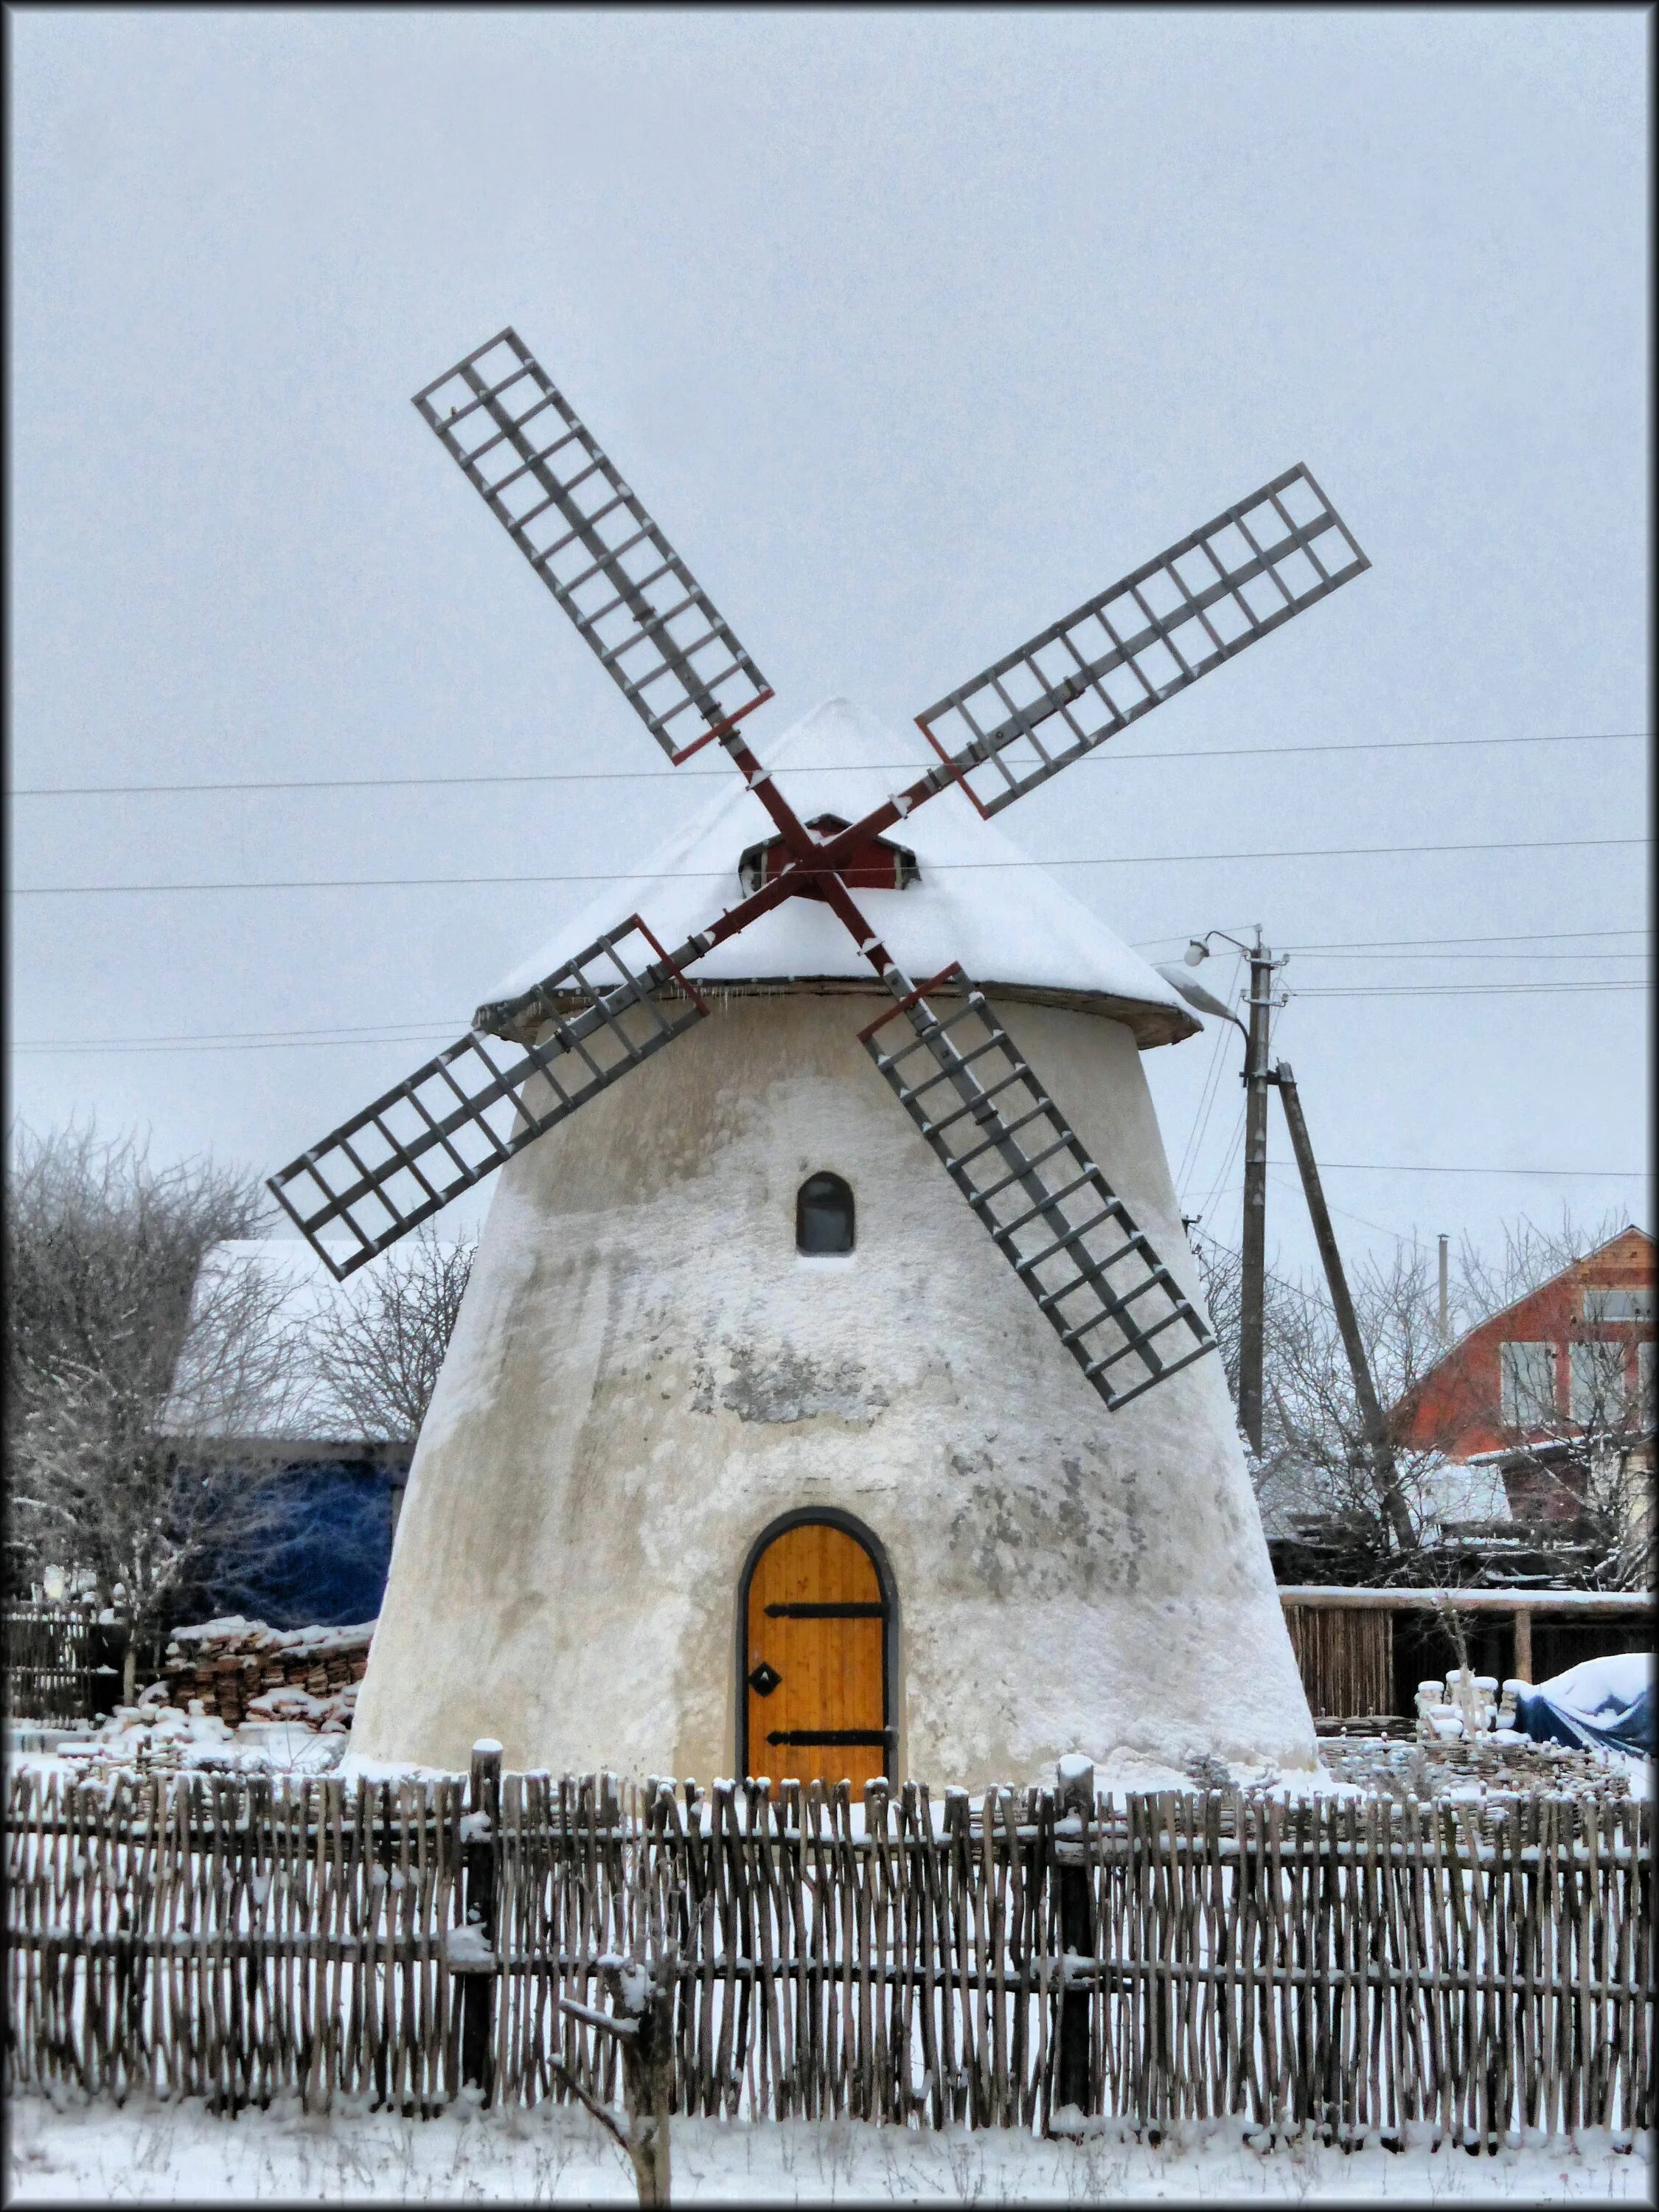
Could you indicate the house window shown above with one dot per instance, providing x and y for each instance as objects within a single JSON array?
[
  {"x": 1606, "y": 1304},
  {"x": 1527, "y": 1373},
  {"x": 1596, "y": 1372},
  {"x": 824, "y": 1215},
  {"x": 1644, "y": 1382}
]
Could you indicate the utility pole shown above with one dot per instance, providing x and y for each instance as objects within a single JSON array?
[
  {"x": 1256, "y": 1078},
  {"x": 1253, "y": 1243},
  {"x": 1364, "y": 1390},
  {"x": 1445, "y": 1295}
]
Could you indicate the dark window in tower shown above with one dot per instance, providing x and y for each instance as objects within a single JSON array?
[{"x": 824, "y": 1215}]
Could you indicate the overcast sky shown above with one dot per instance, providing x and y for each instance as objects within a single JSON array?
[{"x": 913, "y": 330}]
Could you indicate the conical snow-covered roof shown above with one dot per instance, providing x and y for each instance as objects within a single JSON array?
[{"x": 979, "y": 899}]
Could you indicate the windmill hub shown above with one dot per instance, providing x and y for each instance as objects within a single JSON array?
[
  {"x": 922, "y": 1486},
  {"x": 876, "y": 865}
]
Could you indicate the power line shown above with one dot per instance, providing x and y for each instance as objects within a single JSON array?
[
  {"x": 415, "y": 1032},
  {"x": 618, "y": 876},
  {"x": 1208, "y": 1094},
  {"x": 1348, "y": 1214},
  {"x": 78, "y": 1048},
  {"x": 828, "y": 768},
  {"x": 403, "y": 1032},
  {"x": 270, "y": 1041},
  {"x": 1234, "y": 1141},
  {"x": 1508, "y": 936},
  {"x": 1308, "y": 1298},
  {"x": 1462, "y": 990},
  {"x": 1590, "y": 952},
  {"x": 1403, "y": 1167},
  {"x": 1388, "y": 944}
]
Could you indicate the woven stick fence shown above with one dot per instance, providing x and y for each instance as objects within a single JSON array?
[{"x": 1342, "y": 1966}]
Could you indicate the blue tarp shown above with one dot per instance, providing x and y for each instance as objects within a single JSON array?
[
  {"x": 1605, "y": 1705},
  {"x": 323, "y": 1566}
]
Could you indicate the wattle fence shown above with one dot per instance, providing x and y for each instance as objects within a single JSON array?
[{"x": 1338, "y": 1966}]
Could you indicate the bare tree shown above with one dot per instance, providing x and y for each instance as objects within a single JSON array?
[
  {"x": 133, "y": 1353},
  {"x": 1484, "y": 1283},
  {"x": 1292, "y": 1316},
  {"x": 378, "y": 1349},
  {"x": 1221, "y": 1275},
  {"x": 1317, "y": 1431}
]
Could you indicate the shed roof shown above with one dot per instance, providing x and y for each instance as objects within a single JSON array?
[{"x": 980, "y": 899}]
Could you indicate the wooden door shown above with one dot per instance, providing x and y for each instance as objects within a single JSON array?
[{"x": 815, "y": 1659}]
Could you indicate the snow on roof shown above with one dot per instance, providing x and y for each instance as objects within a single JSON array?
[
  {"x": 1462, "y": 1490},
  {"x": 980, "y": 900},
  {"x": 1442, "y": 1490}
]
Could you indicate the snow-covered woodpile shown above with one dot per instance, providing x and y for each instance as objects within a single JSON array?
[{"x": 242, "y": 1670}]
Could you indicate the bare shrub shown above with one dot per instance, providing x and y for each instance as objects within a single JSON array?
[{"x": 378, "y": 1349}]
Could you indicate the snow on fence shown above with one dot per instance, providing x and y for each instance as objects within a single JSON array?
[{"x": 1339, "y": 1966}]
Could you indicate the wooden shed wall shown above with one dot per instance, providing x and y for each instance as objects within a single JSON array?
[{"x": 1346, "y": 1660}]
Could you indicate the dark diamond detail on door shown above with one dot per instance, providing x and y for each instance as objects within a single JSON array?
[{"x": 764, "y": 1680}]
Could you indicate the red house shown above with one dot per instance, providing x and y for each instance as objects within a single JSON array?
[{"x": 1569, "y": 1361}]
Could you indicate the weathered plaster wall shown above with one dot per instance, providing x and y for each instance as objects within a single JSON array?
[{"x": 645, "y": 1373}]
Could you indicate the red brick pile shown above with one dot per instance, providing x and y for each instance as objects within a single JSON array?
[{"x": 229, "y": 1663}]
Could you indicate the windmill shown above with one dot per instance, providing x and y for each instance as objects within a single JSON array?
[{"x": 530, "y": 1061}]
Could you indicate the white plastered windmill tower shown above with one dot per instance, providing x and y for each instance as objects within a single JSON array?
[{"x": 762, "y": 1445}]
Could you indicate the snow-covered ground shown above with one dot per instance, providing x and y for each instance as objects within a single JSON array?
[{"x": 149, "y": 2153}]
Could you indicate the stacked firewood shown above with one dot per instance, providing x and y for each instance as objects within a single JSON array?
[{"x": 231, "y": 1663}]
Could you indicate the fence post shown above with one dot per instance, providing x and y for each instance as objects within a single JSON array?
[
  {"x": 1075, "y": 1794},
  {"x": 111, "y": 1657},
  {"x": 480, "y": 1853}
]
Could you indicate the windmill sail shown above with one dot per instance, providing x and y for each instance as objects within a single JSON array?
[
  {"x": 532, "y": 1060},
  {"x": 1143, "y": 639},
  {"x": 545, "y": 478},
  {"x": 1050, "y": 1211},
  {"x": 456, "y": 1119}
]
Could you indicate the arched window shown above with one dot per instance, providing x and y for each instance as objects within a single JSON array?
[{"x": 824, "y": 1215}]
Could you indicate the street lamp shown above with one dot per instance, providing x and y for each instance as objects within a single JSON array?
[
  {"x": 1198, "y": 949},
  {"x": 1194, "y": 994}
]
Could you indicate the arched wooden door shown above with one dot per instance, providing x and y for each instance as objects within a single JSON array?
[{"x": 815, "y": 1659}]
